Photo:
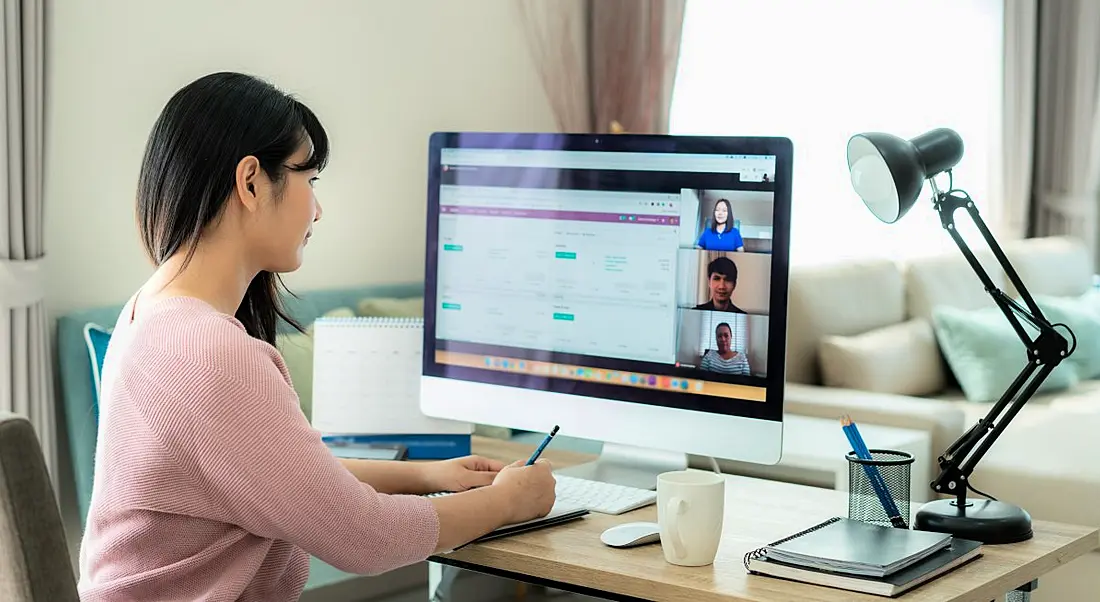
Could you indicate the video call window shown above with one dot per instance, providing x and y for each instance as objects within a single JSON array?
[
  {"x": 723, "y": 343},
  {"x": 727, "y": 220},
  {"x": 733, "y": 282}
]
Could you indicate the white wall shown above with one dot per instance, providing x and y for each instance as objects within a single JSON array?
[{"x": 380, "y": 74}]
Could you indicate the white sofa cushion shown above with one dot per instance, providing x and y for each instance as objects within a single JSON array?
[
  {"x": 838, "y": 299},
  {"x": 949, "y": 280},
  {"x": 1055, "y": 266},
  {"x": 902, "y": 359}
]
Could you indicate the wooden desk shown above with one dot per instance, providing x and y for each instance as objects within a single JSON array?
[{"x": 571, "y": 557}]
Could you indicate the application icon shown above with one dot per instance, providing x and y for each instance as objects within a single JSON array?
[
  {"x": 684, "y": 385},
  {"x": 699, "y": 385},
  {"x": 652, "y": 380},
  {"x": 523, "y": 365},
  {"x": 488, "y": 361},
  {"x": 675, "y": 383},
  {"x": 633, "y": 379}
]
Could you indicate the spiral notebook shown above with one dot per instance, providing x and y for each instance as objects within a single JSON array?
[
  {"x": 860, "y": 556},
  {"x": 366, "y": 386}
]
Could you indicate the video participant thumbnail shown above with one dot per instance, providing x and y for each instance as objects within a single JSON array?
[
  {"x": 727, "y": 220},
  {"x": 718, "y": 342},
  {"x": 724, "y": 281}
]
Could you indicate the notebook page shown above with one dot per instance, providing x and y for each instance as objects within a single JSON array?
[{"x": 366, "y": 379}]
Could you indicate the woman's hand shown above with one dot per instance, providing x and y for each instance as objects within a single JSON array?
[{"x": 460, "y": 474}]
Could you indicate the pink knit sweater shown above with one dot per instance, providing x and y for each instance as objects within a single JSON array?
[{"x": 210, "y": 484}]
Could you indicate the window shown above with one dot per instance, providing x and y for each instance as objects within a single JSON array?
[{"x": 819, "y": 72}]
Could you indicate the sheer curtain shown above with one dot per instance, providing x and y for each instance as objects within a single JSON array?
[
  {"x": 818, "y": 72},
  {"x": 26, "y": 384}
]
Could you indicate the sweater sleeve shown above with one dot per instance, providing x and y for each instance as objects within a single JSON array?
[{"x": 225, "y": 411}]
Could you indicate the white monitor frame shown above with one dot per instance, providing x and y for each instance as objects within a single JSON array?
[{"x": 752, "y": 431}]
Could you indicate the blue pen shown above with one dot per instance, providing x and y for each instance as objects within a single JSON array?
[
  {"x": 542, "y": 446},
  {"x": 873, "y": 475}
]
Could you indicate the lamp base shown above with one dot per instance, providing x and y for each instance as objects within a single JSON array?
[{"x": 981, "y": 520}]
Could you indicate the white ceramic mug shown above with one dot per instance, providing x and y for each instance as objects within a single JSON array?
[{"x": 690, "y": 506}]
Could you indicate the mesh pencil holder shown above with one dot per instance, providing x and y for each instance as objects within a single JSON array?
[{"x": 888, "y": 471}]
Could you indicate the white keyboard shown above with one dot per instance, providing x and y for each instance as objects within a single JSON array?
[{"x": 601, "y": 497}]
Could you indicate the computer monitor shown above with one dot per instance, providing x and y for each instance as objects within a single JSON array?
[{"x": 630, "y": 288}]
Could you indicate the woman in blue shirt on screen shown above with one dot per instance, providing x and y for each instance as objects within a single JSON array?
[{"x": 721, "y": 235}]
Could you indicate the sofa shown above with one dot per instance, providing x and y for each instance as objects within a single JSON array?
[{"x": 914, "y": 344}]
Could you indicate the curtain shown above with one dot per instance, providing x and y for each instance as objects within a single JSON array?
[
  {"x": 1067, "y": 163},
  {"x": 26, "y": 385},
  {"x": 1010, "y": 216},
  {"x": 606, "y": 65}
]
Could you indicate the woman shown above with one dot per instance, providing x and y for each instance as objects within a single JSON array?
[
  {"x": 725, "y": 359},
  {"x": 209, "y": 481},
  {"x": 721, "y": 235}
]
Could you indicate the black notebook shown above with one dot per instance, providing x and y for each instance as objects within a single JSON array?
[
  {"x": 862, "y": 557},
  {"x": 560, "y": 513}
]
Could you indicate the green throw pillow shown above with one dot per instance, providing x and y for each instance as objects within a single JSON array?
[
  {"x": 986, "y": 355},
  {"x": 297, "y": 351},
  {"x": 1082, "y": 315}
]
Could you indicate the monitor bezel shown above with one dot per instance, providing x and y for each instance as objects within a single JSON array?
[{"x": 771, "y": 409}]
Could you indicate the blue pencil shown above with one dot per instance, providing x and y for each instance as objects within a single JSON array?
[{"x": 873, "y": 474}]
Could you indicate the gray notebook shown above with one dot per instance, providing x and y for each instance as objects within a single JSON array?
[{"x": 841, "y": 545}]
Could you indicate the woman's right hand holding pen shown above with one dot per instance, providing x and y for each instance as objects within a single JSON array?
[
  {"x": 530, "y": 489},
  {"x": 519, "y": 493}
]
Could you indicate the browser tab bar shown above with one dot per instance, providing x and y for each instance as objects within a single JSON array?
[{"x": 757, "y": 166}]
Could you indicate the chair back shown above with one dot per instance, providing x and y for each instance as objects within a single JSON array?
[{"x": 34, "y": 558}]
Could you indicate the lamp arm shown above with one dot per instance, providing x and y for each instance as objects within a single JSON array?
[{"x": 1044, "y": 352}]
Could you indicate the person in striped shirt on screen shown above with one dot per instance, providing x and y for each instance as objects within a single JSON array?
[{"x": 725, "y": 359}]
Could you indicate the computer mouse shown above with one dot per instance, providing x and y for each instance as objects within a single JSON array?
[{"x": 631, "y": 534}]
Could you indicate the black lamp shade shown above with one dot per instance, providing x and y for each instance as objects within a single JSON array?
[{"x": 888, "y": 172}]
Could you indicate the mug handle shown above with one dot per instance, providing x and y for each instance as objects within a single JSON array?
[{"x": 676, "y": 507}]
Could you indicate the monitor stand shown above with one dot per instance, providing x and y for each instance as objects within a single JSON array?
[{"x": 628, "y": 465}]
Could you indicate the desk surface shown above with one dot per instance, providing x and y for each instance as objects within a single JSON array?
[{"x": 757, "y": 512}]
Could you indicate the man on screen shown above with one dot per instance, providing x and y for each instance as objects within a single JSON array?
[{"x": 722, "y": 280}]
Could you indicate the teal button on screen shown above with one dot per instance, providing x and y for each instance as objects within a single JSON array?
[
  {"x": 452, "y": 247},
  {"x": 566, "y": 317},
  {"x": 451, "y": 306},
  {"x": 565, "y": 255}
]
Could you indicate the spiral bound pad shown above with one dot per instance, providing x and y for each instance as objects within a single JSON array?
[
  {"x": 366, "y": 379},
  {"x": 760, "y": 552}
]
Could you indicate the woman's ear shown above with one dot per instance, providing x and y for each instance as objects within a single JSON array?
[{"x": 245, "y": 178}]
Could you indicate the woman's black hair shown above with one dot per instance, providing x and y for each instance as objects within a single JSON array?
[
  {"x": 189, "y": 171},
  {"x": 726, "y": 324},
  {"x": 729, "y": 216}
]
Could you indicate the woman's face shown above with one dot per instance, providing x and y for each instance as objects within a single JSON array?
[
  {"x": 721, "y": 214},
  {"x": 284, "y": 222},
  {"x": 724, "y": 337}
]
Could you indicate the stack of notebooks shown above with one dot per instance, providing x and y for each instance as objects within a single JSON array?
[{"x": 863, "y": 557}]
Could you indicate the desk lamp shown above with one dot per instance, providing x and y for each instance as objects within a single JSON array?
[{"x": 888, "y": 173}]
